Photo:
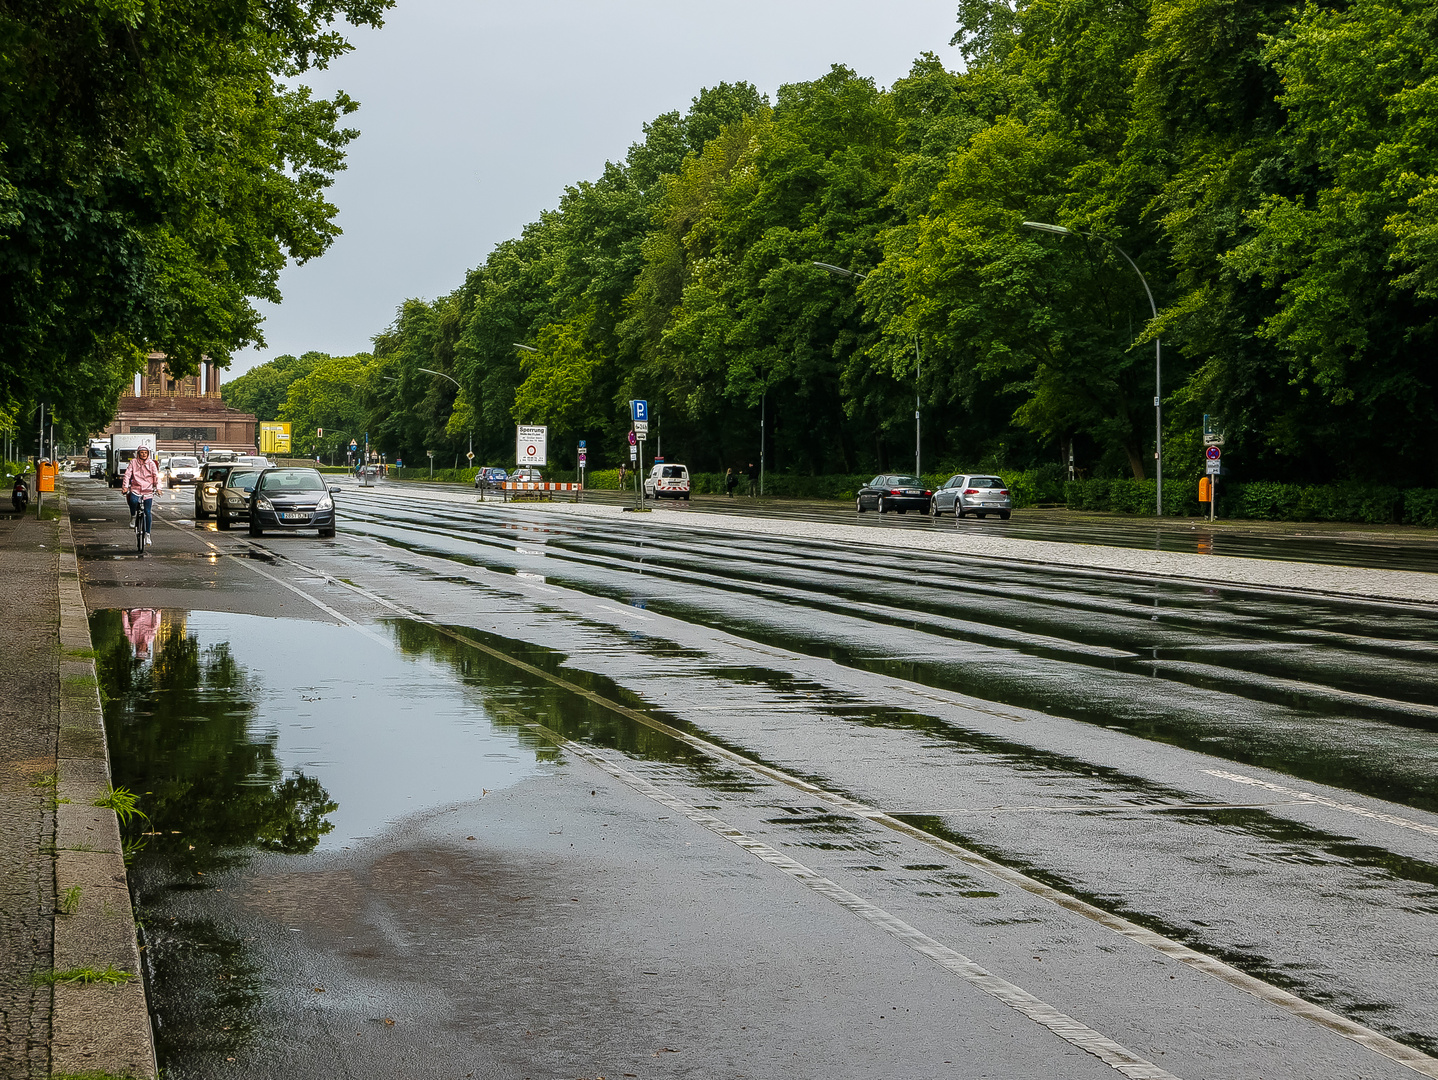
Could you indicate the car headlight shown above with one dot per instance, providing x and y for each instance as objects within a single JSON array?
[
  {"x": 263, "y": 503},
  {"x": 325, "y": 503}
]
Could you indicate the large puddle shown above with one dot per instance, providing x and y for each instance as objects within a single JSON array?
[
  {"x": 281, "y": 750},
  {"x": 291, "y": 735}
]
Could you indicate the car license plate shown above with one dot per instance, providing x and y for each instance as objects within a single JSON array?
[
  {"x": 295, "y": 517},
  {"x": 911, "y": 492}
]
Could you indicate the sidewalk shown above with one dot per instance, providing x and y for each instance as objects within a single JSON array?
[{"x": 65, "y": 914}]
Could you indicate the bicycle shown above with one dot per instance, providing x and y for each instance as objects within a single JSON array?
[{"x": 140, "y": 527}]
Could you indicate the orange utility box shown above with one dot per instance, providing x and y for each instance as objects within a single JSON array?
[
  {"x": 45, "y": 474},
  {"x": 1205, "y": 489}
]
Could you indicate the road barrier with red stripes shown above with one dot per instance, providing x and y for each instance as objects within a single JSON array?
[{"x": 536, "y": 490}]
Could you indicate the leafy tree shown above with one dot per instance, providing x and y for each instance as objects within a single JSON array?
[
  {"x": 156, "y": 173},
  {"x": 262, "y": 389},
  {"x": 330, "y": 397}
]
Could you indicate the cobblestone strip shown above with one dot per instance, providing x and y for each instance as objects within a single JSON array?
[
  {"x": 98, "y": 1026},
  {"x": 29, "y": 720},
  {"x": 1409, "y": 586}
]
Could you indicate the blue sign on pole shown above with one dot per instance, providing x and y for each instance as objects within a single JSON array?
[
  {"x": 582, "y": 444},
  {"x": 639, "y": 411}
]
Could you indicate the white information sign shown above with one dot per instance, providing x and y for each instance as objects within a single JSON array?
[
  {"x": 641, "y": 428},
  {"x": 1213, "y": 467},
  {"x": 531, "y": 445}
]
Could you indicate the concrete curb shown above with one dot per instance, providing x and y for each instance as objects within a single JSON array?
[{"x": 97, "y": 1027}]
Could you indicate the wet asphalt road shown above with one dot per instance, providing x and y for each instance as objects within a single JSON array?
[{"x": 661, "y": 801}]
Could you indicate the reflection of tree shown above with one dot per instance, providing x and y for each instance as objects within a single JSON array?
[
  {"x": 179, "y": 732},
  {"x": 513, "y": 697}
]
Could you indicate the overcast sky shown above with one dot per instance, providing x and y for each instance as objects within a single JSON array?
[{"x": 475, "y": 114}]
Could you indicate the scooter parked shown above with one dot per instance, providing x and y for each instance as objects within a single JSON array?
[{"x": 20, "y": 495}]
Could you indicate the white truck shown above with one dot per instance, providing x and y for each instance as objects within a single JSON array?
[
  {"x": 122, "y": 449},
  {"x": 99, "y": 456}
]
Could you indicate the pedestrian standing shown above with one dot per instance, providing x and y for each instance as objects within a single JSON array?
[
  {"x": 730, "y": 482},
  {"x": 621, "y": 477},
  {"x": 753, "y": 480}
]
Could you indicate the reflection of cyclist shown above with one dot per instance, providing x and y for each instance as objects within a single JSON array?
[
  {"x": 142, "y": 480},
  {"x": 140, "y": 625}
]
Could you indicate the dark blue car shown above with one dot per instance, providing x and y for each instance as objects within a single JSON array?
[{"x": 285, "y": 499}]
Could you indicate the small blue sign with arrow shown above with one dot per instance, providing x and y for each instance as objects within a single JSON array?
[{"x": 639, "y": 411}]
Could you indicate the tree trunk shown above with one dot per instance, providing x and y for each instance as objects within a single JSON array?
[{"x": 1135, "y": 460}]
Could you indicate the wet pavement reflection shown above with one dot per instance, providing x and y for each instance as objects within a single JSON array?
[
  {"x": 249, "y": 739},
  {"x": 1338, "y": 692}
]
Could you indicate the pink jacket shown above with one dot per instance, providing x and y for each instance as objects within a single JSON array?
[{"x": 142, "y": 477}]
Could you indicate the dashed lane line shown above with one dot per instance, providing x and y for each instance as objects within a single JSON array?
[
  {"x": 1323, "y": 800},
  {"x": 1072, "y": 1031}
]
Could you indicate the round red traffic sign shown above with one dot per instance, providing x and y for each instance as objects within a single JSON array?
[
  {"x": 531, "y": 451},
  {"x": 1213, "y": 453},
  {"x": 632, "y": 439}
]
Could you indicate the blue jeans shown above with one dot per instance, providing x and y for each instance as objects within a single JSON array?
[{"x": 135, "y": 506}]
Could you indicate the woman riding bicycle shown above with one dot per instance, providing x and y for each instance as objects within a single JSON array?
[{"x": 142, "y": 481}]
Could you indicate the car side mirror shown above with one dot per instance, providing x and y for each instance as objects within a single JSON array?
[{"x": 334, "y": 489}]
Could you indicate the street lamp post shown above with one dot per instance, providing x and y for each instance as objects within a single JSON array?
[
  {"x": 442, "y": 375},
  {"x": 840, "y": 271},
  {"x": 1059, "y": 230}
]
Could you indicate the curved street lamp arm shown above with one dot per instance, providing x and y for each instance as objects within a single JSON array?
[
  {"x": 840, "y": 271},
  {"x": 442, "y": 375},
  {"x": 1043, "y": 226}
]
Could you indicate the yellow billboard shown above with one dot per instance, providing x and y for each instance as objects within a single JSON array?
[{"x": 274, "y": 438}]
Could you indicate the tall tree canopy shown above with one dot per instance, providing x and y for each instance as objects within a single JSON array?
[
  {"x": 1269, "y": 167},
  {"x": 158, "y": 167}
]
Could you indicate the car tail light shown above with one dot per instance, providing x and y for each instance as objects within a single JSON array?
[
  {"x": 895, "y": 491},
  {"x": 971, "y": 491},
  {"x": 1004, "y": 491}
]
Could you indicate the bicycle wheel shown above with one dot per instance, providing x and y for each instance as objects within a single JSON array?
[{"x": 140, "y": 531}]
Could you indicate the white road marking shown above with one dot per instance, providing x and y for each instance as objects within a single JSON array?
[
  {"x": 629, "y": 614},
  {"x": 1323, "y": 800},
  {"x": 1072, "y": 1031}
]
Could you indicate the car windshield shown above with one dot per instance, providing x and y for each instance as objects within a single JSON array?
[
  {"x": 906, "y": 481},
  {"x": 219, "y": 472},
  {"x": 986, "y": 482},
  {"x": 245, "y": 481},
  {"x": 674, "y": 472},
  {"x": 184, "y": 463},
  {"x": 281, "y": 481}
]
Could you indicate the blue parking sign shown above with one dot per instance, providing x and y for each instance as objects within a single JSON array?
[{"x": 639, "y": 411}]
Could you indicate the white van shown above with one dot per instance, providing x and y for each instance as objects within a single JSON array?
[
  {"x": 122, "y": 449},
  {"x": 667, "y": 481}
]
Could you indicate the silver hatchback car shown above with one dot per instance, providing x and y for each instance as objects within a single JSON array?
[{"x": 974, "y": 494}]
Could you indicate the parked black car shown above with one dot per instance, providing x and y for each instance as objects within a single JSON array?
[
  {"x": 285, "y": 499},
  {"x": 893, "y": 492}
]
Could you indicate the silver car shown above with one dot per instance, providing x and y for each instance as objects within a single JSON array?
[{"x": 972, "y": 493}]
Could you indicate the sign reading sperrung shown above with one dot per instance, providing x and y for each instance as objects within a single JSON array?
[{"x": 531, "y": 445}]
